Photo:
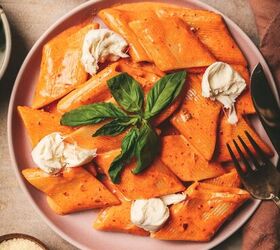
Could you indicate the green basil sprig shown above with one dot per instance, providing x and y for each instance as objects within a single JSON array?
[
  {"x": 163, "y": 93},
  {"x": 128, "y": 147},
  {"x": 127, "y": 92},
  {"x": 141, "y": 142},
  {"x": 116, "y": 126},
  {"x": 146, "y": 148},
  {"x": 92, "y": 114}
]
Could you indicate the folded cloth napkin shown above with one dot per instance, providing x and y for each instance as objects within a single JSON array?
[
  {"x": 262, "y": 232},
  {"x": 267, "y": 16}
]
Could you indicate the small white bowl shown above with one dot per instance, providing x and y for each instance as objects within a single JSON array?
[{"x": 5, "y": 55}]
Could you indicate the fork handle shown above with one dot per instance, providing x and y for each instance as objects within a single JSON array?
[{"x": 276, "y": 200}]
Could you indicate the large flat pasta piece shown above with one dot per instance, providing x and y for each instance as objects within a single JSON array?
[
  {"x": 61, "y": 68},
  {"x": 169, "y": 46},
  {"x": 208, "y": 26},
  {"x": 202, "y": 214},
  {"x": 39, "y": 123},
  {"x": 118, "y": 21},
  {"x": 211, "y": 30},
  {"x": 83, "y": 137},
  {"x": 94, "y": 90},
  {"x": 197, "y": 118},
  {"x": 184, "y": 160},
  {"x": 75, "y": 189},
  {"x": 155, "y": 181},
  {"x": 230, "y": 179},
  {"x": 228, "y": 132},
  {"x": 117, "y": 219}
]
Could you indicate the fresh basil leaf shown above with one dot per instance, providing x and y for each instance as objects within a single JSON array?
[
  {"x": 128, "y": 146},
  {"x": 147, "y": 148},
  {"x": 91, "y": 114},
  {"x": 163, "y": 93},
  {"x": 116, "y": 126},
  {"x": 127, "y": 92}
]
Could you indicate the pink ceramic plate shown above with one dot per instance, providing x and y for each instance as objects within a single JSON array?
[{"x": 77, "y": 228}]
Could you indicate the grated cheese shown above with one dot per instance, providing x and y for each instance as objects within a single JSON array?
[{"x": 19, "y": 244}]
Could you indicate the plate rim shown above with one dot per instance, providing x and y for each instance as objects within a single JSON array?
[
  {"x": 58, "y": 22},
  {"x": 8, "y": 41}
]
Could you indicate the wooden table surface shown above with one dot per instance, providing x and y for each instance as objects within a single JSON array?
[{"x": 28, "y": 20}]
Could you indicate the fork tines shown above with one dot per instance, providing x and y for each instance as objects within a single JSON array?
[
  {"x": 247, "y": 165},
  {"x": 259, "y": 177}
]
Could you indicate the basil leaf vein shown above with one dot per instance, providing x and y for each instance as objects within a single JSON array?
[
  {"x": 163, "y": 93},
  {"x": 116, "y": 126},
  {"x": 92, "y": 114},
  {"x": 127, "y": 152},
  {"x": 127, "y": 92},
  {"x": 147, "y": 147}
]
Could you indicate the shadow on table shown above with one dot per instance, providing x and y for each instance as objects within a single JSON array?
[
  {"x": 19, "y": 51},
  {"x": 232, "y": 243}
]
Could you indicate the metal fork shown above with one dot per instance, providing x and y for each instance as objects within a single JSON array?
[{"x": 259, "y": 176}]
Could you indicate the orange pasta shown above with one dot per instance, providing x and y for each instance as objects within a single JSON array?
[
  {"x": 73, "y": 190},
  {"x": 211, "y": 30},
  {"x": 184, "y": 161},
  {"x": 118, "y": 21},
  {"x": 155, "y": 181},
  {"x": 117, "y": 219},
  {"x": 83, "y": 137},
  {"x": 190, "y": 152},
  {"x": 209, "y": 27},
  {"x": 39, "y": 123},
  {"x": 228, "y": 132},
  {"x": 202, "y": 214},
  {"x": 143, "y": 67},
  {"x": 61, "y": 70},
  {"x": 230, "y": 179},
  {"x": 244, "y": 103},
  {"x": 197, "y": 118},
  {"x": 169, "y": 49},
  {"x": 96, "y": 89}
]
